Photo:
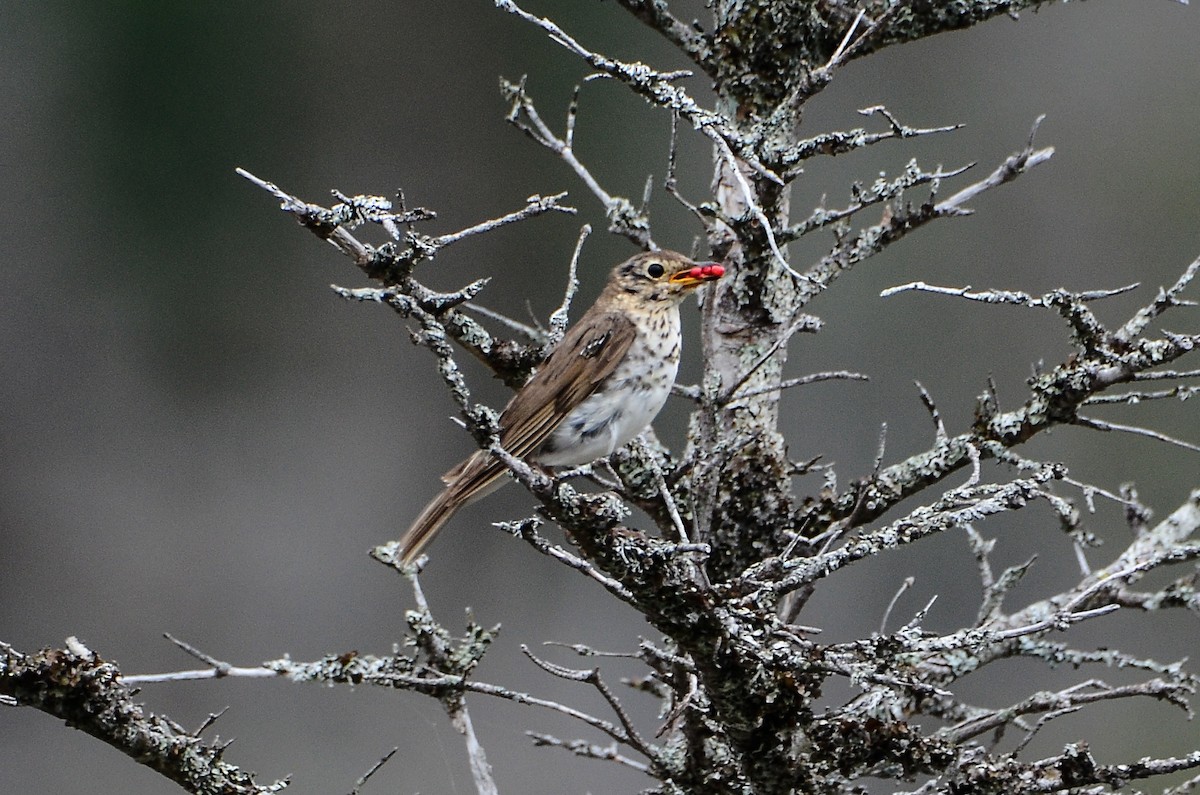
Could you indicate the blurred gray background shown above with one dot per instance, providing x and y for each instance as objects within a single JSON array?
[{"x": 197, "y": 436}]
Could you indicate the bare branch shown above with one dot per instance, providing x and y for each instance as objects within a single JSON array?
[
  {"x": 592, "y": 677},
  {"x": 1060, "y": 703},
  {"x": 658, "y": 87},
  {"x": 1102, "y": 425},
  {"x": 1162, "y": 375},
  {"x": 803, "y": 380},
  {"x": 956, "y": 508},
  {"x": 583, "y": 748},
  {"x": 1165, "y": 300},
  {"x": 734, "y": 168},
  {"x": 531, "y": 333},
  {"x": 1139, "y": 396},
  {"x": 1005, "y": 296},
  {"x": 331, "y": 225},
  {"x": 803, "y": 323},
  {"x": 1054, "y": 399},
  {"x": 899, "y": 222},
  {"x": 837, "y": 143},
  {"x": 881, "y": 190},
  {"x": 558, "y": 318},
  {"x": 394, "y": 266},
  {"x": 623, "y": 217},
  {"x": 696, "y": 45},
  {"x": 904, "y": 586},
  {"x": 664, "y": 491},
  {"x": 527, "y": 529},
  {"x": 535, "y": 205},
  {"x": 365, "y": 777},
  {"x": 1013, "y": 167},
  {"x": 481, "y": 771}
]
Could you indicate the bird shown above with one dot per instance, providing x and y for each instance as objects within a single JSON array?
[{"x": 600, "y": 387}]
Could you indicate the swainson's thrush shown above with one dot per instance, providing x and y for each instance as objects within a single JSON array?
[{"x": 601, "y": 386}]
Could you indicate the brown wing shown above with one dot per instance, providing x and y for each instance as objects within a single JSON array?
[{"x": 587, "y": 355}]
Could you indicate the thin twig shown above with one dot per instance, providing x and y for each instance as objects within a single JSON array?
[
  {"x": 558, "y": 318},
  {"x": 655, "y": 86},
  {"x": 664, "y": 491},
  {"x": 731, "y": 163},
  {"x": 527, "y": 529},
  {"x": 592, "y": 677},
  {"x": 234, "y": 671},
  {"x": 212, "y": 718},
  {"x": 805, "y": 322},
  {"x": 841, "y": 142},
  {"x": 362, "y": 780},
  {"x": 588, "y": 750},
  {"x": 1004, "y": 296},
  {"x": 844, "y": 47},
  {"x": 693, "y": 42},
  {"x": 1164, "y": 301},
  {"x": 1012, "y": 167},
  {"x": 534, "y": 205},
  {"x": 1102, "y": 425},
  {"x": 1138, "y": 396},
  {"x": 671, "y": 185},
  {"x": 481, "y": 771},
  {"x": 804, "y": 380},
  {"x": 880, "y": 190},
  {"x": 530, "y": 332},
  {"x": 218, "y": 668},
  {"x": 1163, "y": 375},
  {"x": 1059, "y": 620},
  {"x": 622, "y": 215},
  {"x": 904, "y": 586},
  {"x": 940, "y": 435}
]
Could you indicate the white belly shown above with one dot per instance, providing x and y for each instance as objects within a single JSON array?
[{"x": 611, "y": 417}]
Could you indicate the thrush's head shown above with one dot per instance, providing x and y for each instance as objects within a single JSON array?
[{"x": 660, "y": 277}]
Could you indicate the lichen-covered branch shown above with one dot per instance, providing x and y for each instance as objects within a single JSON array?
[
  {"x": 738, "y": 677},
  {"x": 694, "y": 43},
  {"x": 80, "y": 688},
  {"x": 1104, "y": 360},
  {"x": 656, "y": 87},
  {"x": 393, "y": 266},
  {"x": 843, "y": 142},
  {"x": 725, "y": 566}
]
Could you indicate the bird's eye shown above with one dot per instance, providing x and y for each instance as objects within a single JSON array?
[{"x": 655, "y": 270}]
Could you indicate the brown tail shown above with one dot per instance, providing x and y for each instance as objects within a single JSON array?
[{"x": 467, "y": 482}]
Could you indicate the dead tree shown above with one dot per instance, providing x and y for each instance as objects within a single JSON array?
[{"x": 735, "y": 551}]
